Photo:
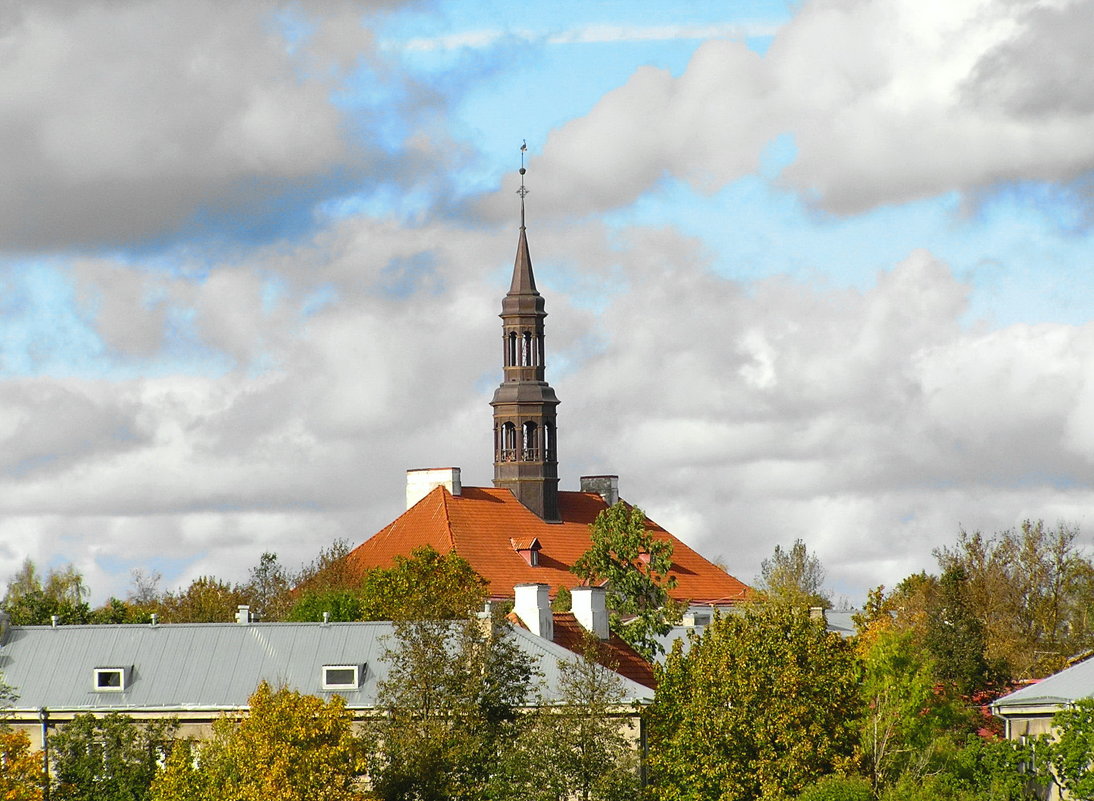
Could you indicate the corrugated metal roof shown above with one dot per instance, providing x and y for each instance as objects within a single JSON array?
[
  {"x": 1065, "y": 687},
  {"x": 214, "y": 665}
]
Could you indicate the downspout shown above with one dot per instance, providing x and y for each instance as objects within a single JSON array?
[{"x": 43, "y": 716}]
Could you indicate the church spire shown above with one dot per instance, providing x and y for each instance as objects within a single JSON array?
[{"x": 525, "y": 461}]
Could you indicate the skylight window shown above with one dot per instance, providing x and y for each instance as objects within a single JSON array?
[
  {"x": 342, "y": 677},
  {"x": 111, "y": 679}
]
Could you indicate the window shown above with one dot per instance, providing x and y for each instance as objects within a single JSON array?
[
  {"x": 111, "y": 680},
  {"x": 342, "y": 677}
]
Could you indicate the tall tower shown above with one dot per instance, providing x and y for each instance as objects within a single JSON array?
[{"x": 525, "y": 461}]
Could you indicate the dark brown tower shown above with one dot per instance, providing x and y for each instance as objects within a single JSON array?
[{"x": 525, "y": 461}]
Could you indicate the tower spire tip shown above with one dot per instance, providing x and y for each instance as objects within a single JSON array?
[{"x": 523, "y": 191}]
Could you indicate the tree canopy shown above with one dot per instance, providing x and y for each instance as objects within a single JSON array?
[
  {"x": 794, "y": 577},
  {"x": 635, "y": 565},
  {"x": 762, "y": 704},
  {"x": 425, "y": 585},
  {"x": 108, "y": 758},
  {"x": 451, "y": 704},
  {"x": 288, "y": 747}
]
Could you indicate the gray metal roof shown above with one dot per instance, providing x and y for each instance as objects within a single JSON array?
[
  {"x": 837, "y": 622},
  {"x": 215, "y": 665},
  {"x": 1065, "y": 687}
]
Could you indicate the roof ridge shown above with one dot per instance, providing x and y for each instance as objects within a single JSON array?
[{"x": 445, "y": 495}]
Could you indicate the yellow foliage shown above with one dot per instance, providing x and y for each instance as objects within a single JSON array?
[
  {"x": 288, "y": 748},
  {"x": 20, "y": 768}
]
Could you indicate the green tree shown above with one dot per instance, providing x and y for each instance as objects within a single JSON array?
[
  {"x": 972, "y": 769},
  {"x": 762, "y": 704},
  {"x": 834, "y": 787},
  {"x": 32, "y": 601},
  {"x": 268, "y": 589},
  {"x": 794, "y": 577},
  {"x": 288, "y": 747},
  {"x": 904, "y": 713},
  {"x": 584, "y": 747},
  {"x": 451, "y": 704},
  {"x": 425, "y": 585},
  {"x": 110, "y": 758},
  {"x": 955, "y": 637},
  {"x": 338, "y": 605},
  {"x": 1066, "y": 758},
  {"x": 635, "y": 565}
]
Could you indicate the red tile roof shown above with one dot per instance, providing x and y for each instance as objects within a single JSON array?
[
  {"x": 613, "y": 652},
  {"x": 480, "y": 524}
]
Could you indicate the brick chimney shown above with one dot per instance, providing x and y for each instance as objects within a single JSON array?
[
  {"x": 589, "y": 605},
  {"x": 607, "y": 487},
  {"x": 533, "y": 607},
  {"x": 422, "y": 481}
]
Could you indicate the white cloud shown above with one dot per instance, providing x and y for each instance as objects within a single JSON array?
[
  {"x": 122, "y": 121},
  {"x": 887, "y": 102},
  {"x": 871, "y": 422}
]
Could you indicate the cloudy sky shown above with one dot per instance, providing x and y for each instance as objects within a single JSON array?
[{"x": 818, "y": 269}]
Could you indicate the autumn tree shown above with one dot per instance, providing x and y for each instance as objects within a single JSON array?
[
  {"x": 1031, "y": 588},
  {"x": 451, "y": 702},
  {"x": 21, "y": 775},
  {"x": 329, "y": 570},
  {"x": 761, "y": 705},
  {"x": 794, "y": 577},
  {"x": 268, "y": 590},
  {"x": 206, "y": 600},
  {"x": 287, "y": 747},
  {"x": 582, "y": 747},
  {"x": 635, "y": 564},
  {"x": 108, "y": 758}
]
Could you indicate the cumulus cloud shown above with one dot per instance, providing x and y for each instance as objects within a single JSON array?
[
  {"x": 870, "y": 422},
  {"x": 125, "y": 121},
  {"x": 886, "y": 102}
]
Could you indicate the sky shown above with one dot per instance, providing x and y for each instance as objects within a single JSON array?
[{"x": 817, "y": 270}]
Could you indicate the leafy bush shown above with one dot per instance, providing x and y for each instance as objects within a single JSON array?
[{"x": 838, "y": 788}]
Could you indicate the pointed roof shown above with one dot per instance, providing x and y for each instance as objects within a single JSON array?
[
  {"x": 480, "y": 524},
  {"x": 524, "y": 282}
]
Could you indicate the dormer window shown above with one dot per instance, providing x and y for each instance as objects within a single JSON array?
[
  {"x": 342, "y": 677},
  {"x": 111, "y": 679},
  {"x": 528, "y": 550}
]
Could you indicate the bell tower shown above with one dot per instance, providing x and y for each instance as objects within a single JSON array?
[{"x": 525, "y": 461}]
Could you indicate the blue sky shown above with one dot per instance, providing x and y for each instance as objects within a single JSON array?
[{"x": 817, "y": 270}]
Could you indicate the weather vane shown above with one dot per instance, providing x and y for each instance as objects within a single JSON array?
[{"x": 523, "y": 191}]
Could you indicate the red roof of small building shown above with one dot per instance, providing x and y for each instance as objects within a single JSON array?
[
  {"x": 614, "y": 653},
  {"x": 481, "y": 523}
]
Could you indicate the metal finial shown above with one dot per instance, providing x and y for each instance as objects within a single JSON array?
[{"x": 523, "y": 191}]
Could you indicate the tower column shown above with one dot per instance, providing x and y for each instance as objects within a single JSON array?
[{"x": 524, "y": 405}]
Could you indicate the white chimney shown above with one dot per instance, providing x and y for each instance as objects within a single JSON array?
[
  {"x": 243, "y": 614},
  {"x": 533, "y": 607},
  {"x": 589, "y": 605},
  {"x": 422, "y": 481},
  {"x": 607, "y": 487}
]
